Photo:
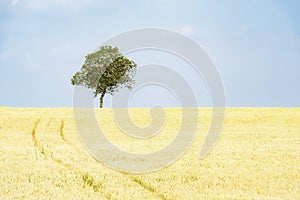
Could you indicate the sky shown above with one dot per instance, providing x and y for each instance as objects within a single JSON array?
[{"x": 255, "y": 46}]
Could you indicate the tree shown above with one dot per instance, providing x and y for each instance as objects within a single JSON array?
[{"x": 105, "y": 71}]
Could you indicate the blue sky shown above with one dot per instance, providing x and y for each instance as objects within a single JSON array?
[{"x": 254, "y": 44}]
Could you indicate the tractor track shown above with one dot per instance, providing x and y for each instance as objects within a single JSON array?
[
  {"x": 86, "y": 178},
  {"x": 33, "y": 134},
  {"x": 61, "y": 134},
  {"x": 148, "y": 187},
  {"x": 71, "y": 168},
  {"x": 61, "y": 129}
]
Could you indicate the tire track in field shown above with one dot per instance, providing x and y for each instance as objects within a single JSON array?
[
  {"x": 61, "y": 128},
  {"x": 46, "y": 154},
  {"x": 39, "y": 148},
  {"x": 37, "y": 144},
  {"x": 62, "y": 135},
  {"x": 86, "y": 178},
  {"x": 148, "y": 187},
  {"x": 33, "y": 134},
  {"x": 89, "y": 179}
]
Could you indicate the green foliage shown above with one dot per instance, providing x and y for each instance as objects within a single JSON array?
[{"x": 105, "y": 71}]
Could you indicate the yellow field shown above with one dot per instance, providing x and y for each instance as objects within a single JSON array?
[{"x": 257, "y": 156}]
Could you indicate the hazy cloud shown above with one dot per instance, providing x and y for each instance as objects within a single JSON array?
[{"x": 187, "y": 29}]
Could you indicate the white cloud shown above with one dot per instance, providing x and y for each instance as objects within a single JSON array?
[
  {"x": 187, "y": 29},
  {"x": 191, "y": 31},
  {"x": 13, "y": 3},
  {"x": 39, "y": 5},
  {"x": 44, "y": 4}
]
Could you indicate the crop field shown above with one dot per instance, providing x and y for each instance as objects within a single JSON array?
[{"x": 257, "y": 156}]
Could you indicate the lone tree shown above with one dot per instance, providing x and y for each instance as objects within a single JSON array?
[{"x": 105, "y": 71}]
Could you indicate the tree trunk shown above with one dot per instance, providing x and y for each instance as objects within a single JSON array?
[{"x": 101, "y": 97}]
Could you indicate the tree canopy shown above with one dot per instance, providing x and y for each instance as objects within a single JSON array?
[{"x": 105, "y": 71}]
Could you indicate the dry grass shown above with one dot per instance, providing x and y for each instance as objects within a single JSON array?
[{"x": 257, "y": 156}]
